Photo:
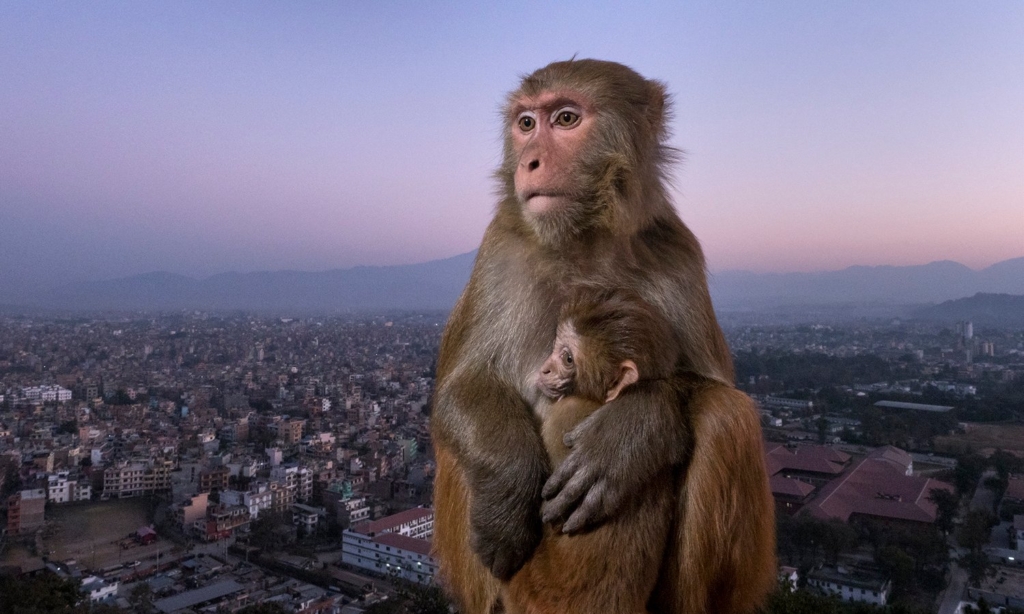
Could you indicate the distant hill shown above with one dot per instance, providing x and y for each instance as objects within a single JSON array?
[
  {"x": 928, "y": 283},
  {"x": 996, "y": 310},
  {"x": 437, "y": 284},
  {"x": 430, "y": 285}
]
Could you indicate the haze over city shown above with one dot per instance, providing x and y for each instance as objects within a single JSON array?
[{"x": 203, "y": 138}]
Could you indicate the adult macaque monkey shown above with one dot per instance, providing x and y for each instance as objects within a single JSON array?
[
  {"x": 584, "y": 203},
  {"x": 606, "y": 342}
]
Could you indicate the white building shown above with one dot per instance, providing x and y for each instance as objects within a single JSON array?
[
  {"x": 389, "y": 554},
  {"x": 46, "y": 393},
  {"x": 258, "y": 499},
  {"x": 851, "y": 584},
  {"x": 297, "y": 480},
  {"x": 60, "y": 489},
  {"x": 97, "y": 589},
  {"x": 354, "y": 511},
  {"x": 417, "y": 522}
]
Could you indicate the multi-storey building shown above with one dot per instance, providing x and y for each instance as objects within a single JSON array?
[
  {"x": 256, "y": 500},
  {"x": 298, "y": 480},
  {"x": 855, "y": 584},
  {"x": 215, "y": 478},
  {"x": 61, "y": 489},
  {"x": 135, "y": 478},
  {"x": 417, "y": 522},
  {"x": 25, "y": 511},
  {"x": 191, "y": 511},
  {"x": 221, "y": 521},
  {"x": 391, "y": 552},
  {"x": 46, "y": 394},
  {"x": 290, "y": 431}
]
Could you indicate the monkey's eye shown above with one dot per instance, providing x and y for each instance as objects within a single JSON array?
[
  {"x": 566, "y": 118},
  {"x": 567, "y": 358},
  {"x": 526, "y": 122}
]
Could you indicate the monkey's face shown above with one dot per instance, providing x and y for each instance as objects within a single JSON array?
[
  {"x": 549, "y": 133},
  {"x": 557, "y": 377}
]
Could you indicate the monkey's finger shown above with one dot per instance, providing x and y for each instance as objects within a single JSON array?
[
  {"x": 570, "y": 438},
  {"x": 589, "y": 512},
  {"x": 573, "y": 491},
  {"x": 556, "y": 481}
]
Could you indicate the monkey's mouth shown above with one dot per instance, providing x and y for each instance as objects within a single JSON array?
[{"x": 542, "y": 202}]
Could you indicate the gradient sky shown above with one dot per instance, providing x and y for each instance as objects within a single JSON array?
[{"x": 203, "y": 137}]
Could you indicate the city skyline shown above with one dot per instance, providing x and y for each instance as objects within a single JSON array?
[{"x": 200, "y": 139}]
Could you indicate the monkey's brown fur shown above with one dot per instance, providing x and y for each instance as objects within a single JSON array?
[
  {"x": 614, "y": 568},
  {"x": 587, "y": 205}
]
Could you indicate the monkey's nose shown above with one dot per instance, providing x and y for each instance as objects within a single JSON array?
[{"x": 533, "y": 165}]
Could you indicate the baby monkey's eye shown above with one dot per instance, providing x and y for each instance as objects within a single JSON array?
[{"x": 567, "y": 358}]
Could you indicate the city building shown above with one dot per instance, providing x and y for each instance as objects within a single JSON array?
[
  {"x": 851, "y": 584},
  {"x": 25, "y": 511},
  {"x": 417, "y": 522},
  {"x": 98, "y": 589},
  {"x": 61, "y": 489},
  {"x": 878, "y": 487},
  {"x": 393, "y": 551},
  {"x": 126, "y": 479}
]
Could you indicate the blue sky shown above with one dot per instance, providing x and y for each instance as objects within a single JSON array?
[{"x": 203, "y": 137}]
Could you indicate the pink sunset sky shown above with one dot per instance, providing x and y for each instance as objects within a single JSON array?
[{"x": 198, "y": 137}]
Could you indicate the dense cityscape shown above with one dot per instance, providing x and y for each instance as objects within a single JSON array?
[{"x": 210, "y": 462}]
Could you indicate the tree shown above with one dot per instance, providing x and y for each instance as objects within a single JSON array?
[
  {"x": 969, "y": 468},
  {"x": 899, "y": 566},
  {"x": 141, "y": 597},
  {"x": 983, "y": 608},
  {"x": 836, "y": 537},
  {"x": 946, "y": 504},
  {"x": 822, "y": 424},
  {"x": 977, "y": 530},
  {"x": 997, "y": 484},
  {"x": 389, "y": 606},
  {"x": 43, "y": 594},
  {"x": 974, "y": 535},
  {"x": 977, "y": 566}
]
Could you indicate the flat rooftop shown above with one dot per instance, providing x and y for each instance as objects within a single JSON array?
[{"x": 917, "y": 406}]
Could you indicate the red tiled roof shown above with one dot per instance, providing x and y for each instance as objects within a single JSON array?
[
  {"x": 898, "y": 458},
  {"x": 412, "y": 544},
  {"x": 393, "y": 521},
  {"x": 789, "y": 487},
  {"x": 815, "y": 459},
  {"x": 1015, "y": 488},
  {"x": 876, "y": 487}
]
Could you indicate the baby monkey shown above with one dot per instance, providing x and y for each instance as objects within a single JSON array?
[{"x": 607, "y": 342}]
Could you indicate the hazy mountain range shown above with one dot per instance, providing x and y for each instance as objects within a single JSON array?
[{"x": 437, "y": 284}]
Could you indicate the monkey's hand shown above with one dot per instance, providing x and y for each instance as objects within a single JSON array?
[
  {"x": 615, "y": 452},
  {"x": 504, "y": 513}
]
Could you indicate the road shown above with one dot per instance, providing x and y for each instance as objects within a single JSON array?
[
  {"x": 954, "y": 592},
  {"x": 983, "y": 500}
]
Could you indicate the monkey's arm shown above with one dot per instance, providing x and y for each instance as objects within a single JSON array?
[
  {"x": 494, "y": 435},
  {"x": 615, "y": 452},
  {"x": 725, "y": 560}
]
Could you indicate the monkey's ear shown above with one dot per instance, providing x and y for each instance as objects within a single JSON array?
[
  {"x": 628, "y": 375},
  {"x": 657, "y": 103}
]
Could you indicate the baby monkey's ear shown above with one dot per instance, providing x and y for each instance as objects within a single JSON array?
[{"x": 628, "y": 375}]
